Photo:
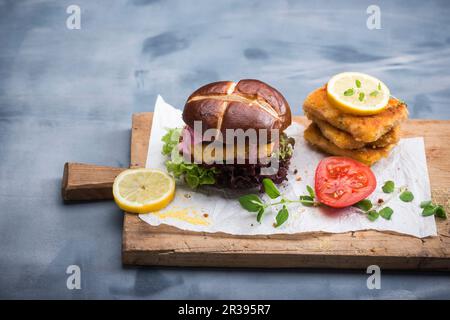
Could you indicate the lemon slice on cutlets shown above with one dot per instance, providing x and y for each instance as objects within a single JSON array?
[
  {"x": 143, "y": 190},
  {"x": 358, "y": 93}
]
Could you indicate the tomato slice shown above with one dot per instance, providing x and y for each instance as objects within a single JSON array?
[{"x": 341, "y": 182}]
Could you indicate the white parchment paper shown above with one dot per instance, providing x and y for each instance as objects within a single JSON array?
[{"x": 214, "y": 211}]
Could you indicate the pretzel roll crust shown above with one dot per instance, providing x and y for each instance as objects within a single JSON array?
[{"x": 248, "y": 104}]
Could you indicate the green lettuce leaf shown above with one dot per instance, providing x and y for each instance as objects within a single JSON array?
[
  {"x": 171, "y": 140},
  {"x": 193, "y": 174}
]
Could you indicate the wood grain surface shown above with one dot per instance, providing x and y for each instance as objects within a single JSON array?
[
  {"x": 87, "y": 182},
  {"x": 164, "y": 245}
]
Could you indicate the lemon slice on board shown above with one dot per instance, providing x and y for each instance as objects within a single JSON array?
[
  {"x": 358, "y": 93},
  {"x": 143, "y": 190}
]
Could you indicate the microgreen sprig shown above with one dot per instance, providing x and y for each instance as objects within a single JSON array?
[
  {"x": 373, "y": 211},
  {"x": 429, "y": 209},
  {"x": 380, "y": 209},
  {"x": 362, "y": 95},
  {"x": 253, "y": 203}
]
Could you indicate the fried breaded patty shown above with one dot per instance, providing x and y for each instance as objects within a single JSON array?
[
  {"x": 368, "y": 156},
  {"x": 344, "y": 140},
  {"x": 362, "y": 128}
]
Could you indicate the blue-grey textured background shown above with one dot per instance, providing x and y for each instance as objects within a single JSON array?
[{"x": 68, "y": 95}]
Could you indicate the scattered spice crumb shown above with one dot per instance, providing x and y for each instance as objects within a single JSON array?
[
  {"x": 205, "y": 215},
  {"x": 274, "y": 225},
  {"x": 298, "y": 178},
  {"x": 295, "y": 171},
  {"x": 187, "y": 195},
  {"x": 252, "y": 224},
  {"x": 380, "y": 201}
]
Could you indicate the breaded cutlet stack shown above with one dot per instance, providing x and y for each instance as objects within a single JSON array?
[{"x": 365, "y": 138}]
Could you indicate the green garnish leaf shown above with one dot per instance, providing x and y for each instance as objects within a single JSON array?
[
  {"x": 374, "y": 93},
  {"x": 386, "y": 213},
  {"x": 379, "y": 86},
  {"x": 364, "y": 205},
  {"x": 424, "y": 204},
  {"x": 270, "y": 188},
  {"x": 440, "y": 212},
  {"x": 429, "y": 210},
  {"x": 311, "y": 191},
  {"x": 349, "y": 92},
  {"x": 406, "y": 196},
  {"x": 388, "y": 187},
  {"x": 251, "y": 202},
  {"x": 358, "y": 83},
  {"x": 361, "y": 96},
  {"x": 260, "y": 215},
  {"x": 436, "y": 210},
  {"x": 282, "y": 216},
  {"x": 307, "y": 201},
  {"x": 372, "y": 215}
]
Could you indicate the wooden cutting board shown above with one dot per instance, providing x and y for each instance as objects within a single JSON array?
[{"x": 144, "y": 244}]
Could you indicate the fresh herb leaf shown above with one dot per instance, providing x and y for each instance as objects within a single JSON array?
[
  {"x": 361, "y": 96},
  {"x": 307, "y": 201},
  {"x": 270, "y": 188},
  {"x": 406, "y": 196},
  {"x": 379, "y": 86},
  {"x": 374, "y": 93},
  {"x": 282, "y": 216},
  {"x": 424, "y": 204},
  {"x": 364, "y": 205},
  {"x": 388, "y": 187},
  {"x": 386, "y": 213},
  {"x": 251, "y": 202},
  {"x": 260, "y": 215},
  {"x": 440, "y": 212},
  {"x": 358, "y": 83},
  {"x": 429, "y": 210},
  {"x": 372, "y": 215},
  {"x": 349, "y": 92},
  {"x": 311, "y": 192}
]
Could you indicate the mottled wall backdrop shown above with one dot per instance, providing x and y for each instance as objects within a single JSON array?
[
  {"x": 68, "y": 95},
  {"x": 129, "y": 51}
]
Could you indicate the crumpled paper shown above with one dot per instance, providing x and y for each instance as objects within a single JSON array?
[{"x": 213, "y": 210}]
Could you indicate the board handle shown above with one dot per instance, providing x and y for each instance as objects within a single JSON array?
[{"x": 87, "y": 182}]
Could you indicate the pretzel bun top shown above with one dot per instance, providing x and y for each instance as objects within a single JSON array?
[{"x": 248, "y": 104}]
